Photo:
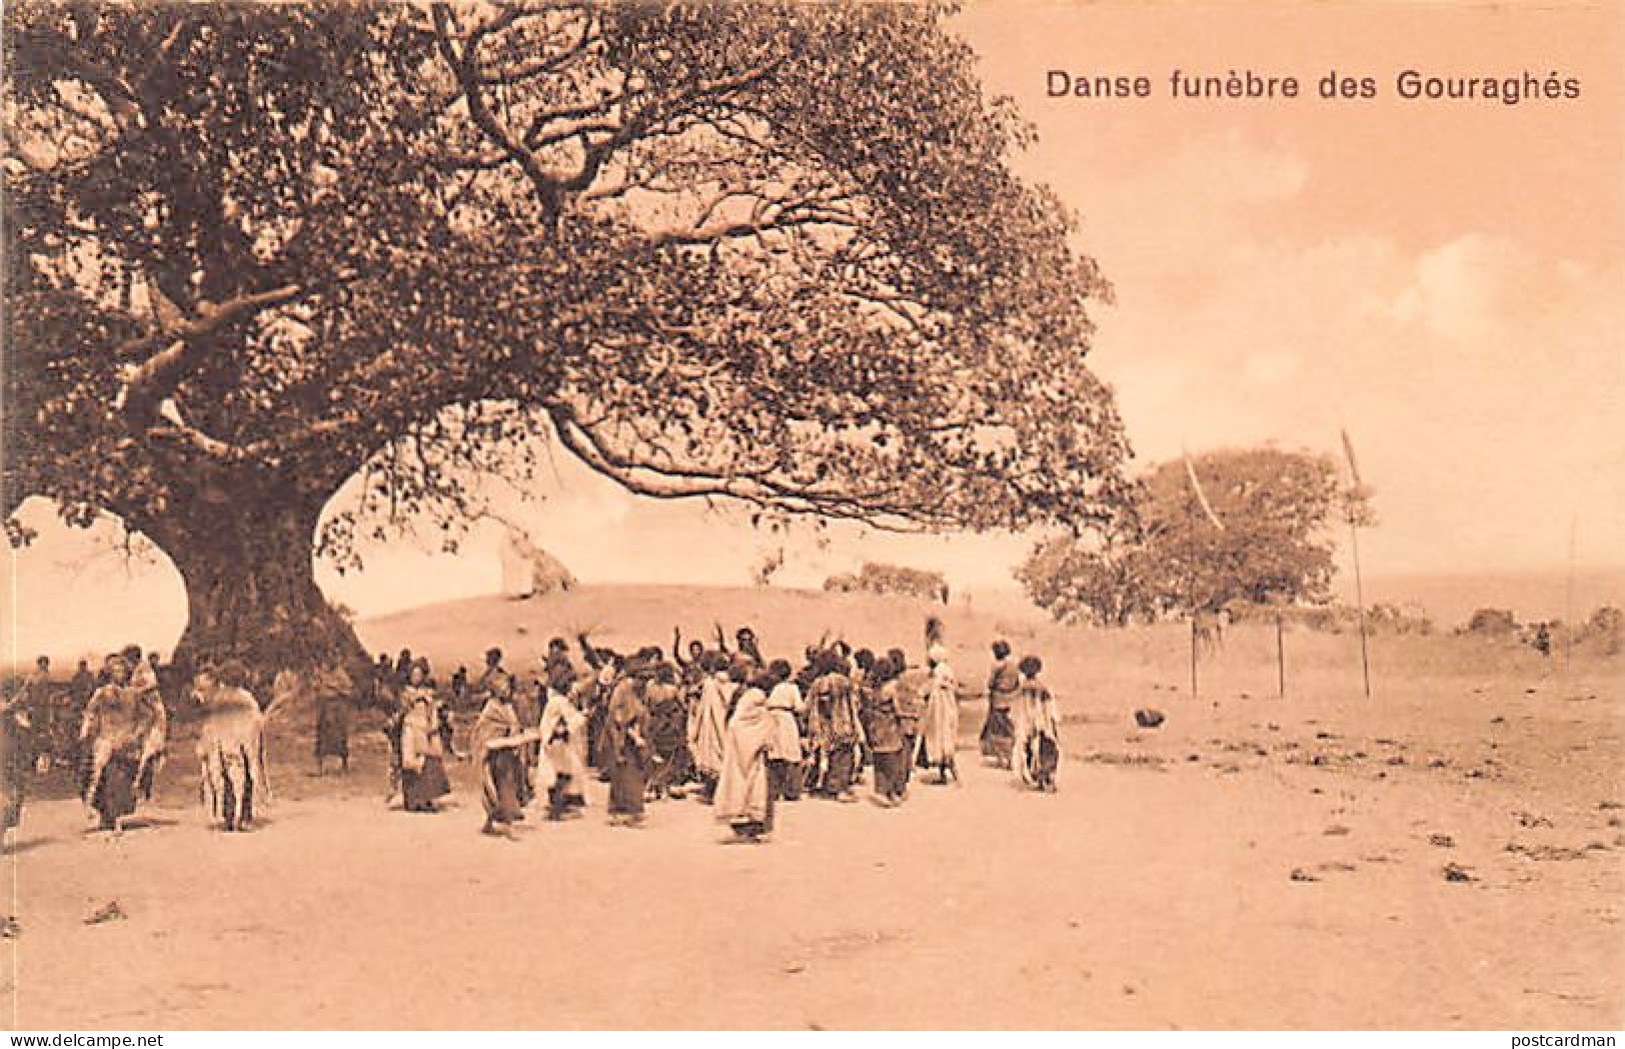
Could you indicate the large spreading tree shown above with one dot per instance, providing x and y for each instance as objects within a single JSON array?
[{"x": 768, "y": 252}]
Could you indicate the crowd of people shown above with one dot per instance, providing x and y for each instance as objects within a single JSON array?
[
  {"x": 720, "y": 721},
  {"x": 742, "y": 732}
]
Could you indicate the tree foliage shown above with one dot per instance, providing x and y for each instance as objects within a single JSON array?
[
  {"x": 772, "y": 252},
  {"x": 1268, "y": 539},
  {"x": 767, "y": 252}
]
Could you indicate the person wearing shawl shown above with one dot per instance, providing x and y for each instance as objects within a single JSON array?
[
  {"x": 1037, "y": 740},
  {"x": 744, "y": 799},
  {"x": 230, "y": 747},
  {"x": 333, "y": 690},
  {"x": 784, "y": 754},
  {"x": 498, "y": 754},
  {"x": 909, "y": 696},
  {"x": 882, "y": 728},
  {"x": 625, "y": 748},
  {"x": 940, "y": 726},
  {"x": 423, "y": 767},
  {"x": 562, "y": 771},
  {"x": 16, "y": 759},
  {"x": 528, "y": 702},
  {"x": 123, "y": 732},
  {"x": 833, "y": 727},
  {"x": 668, "y": 733},
  {"x": 708, "y": 723},
  {"x": 1002, "y": 684}
]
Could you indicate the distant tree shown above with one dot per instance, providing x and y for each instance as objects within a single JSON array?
[
  {"x": 1266, "y": 535},
  {"x": 1606, "y": 625},
  {"x": 771, "y": 252},
  {"x": 1106, "y": 579},
  {"x": 1492, "y": 622},
  {"x": 876, "y": 577}
]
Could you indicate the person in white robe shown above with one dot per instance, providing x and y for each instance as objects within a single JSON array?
[
  {"x": 744, "y": 800},
  {"x": 708, "y": 723},
  {"x": 562, "y": 768},
  {"x": 939, "y": 729},
  {"x": 233, "y": 784}
]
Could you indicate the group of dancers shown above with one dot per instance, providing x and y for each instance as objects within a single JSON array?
[
  {"x": 741, "y": 732},
  {"x": 720, "y": 722}
]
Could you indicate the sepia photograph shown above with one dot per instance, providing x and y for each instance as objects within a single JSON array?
[{"x": 773, "y": 515}]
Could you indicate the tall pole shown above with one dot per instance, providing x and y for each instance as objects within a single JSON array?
[
  {"x": 1354, "y": 493},
  {"x": 1280, "y": 659},
  {"x": 1193, "y": 653},
  {"x": 1359, "y": 598}
]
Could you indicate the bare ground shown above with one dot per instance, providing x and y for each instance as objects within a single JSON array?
[{"x": 1256, "y": 862}]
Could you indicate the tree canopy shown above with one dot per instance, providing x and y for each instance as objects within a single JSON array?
[
  {"x": 772, "y": 252},
  {"x": 1259, "y": 530}
]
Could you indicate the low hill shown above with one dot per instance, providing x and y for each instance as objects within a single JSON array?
[{"x": 1136, "y": 665}]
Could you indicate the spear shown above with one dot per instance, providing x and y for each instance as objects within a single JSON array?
[{"x": 1354, "y": 544}]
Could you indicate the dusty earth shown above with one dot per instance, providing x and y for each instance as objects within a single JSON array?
[{"x": 1447, "y": 854}]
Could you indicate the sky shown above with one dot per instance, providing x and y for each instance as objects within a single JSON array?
[{"x": 1444, "y": 279}]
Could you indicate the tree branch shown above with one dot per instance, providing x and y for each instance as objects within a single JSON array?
[{"x": 156, "y": 377}]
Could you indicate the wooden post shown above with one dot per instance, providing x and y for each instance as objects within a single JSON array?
[
  {"x": 1193, "y": 654},
  {"x": 1280, "y": 658},
  {"x": 1359, "y": 597}
]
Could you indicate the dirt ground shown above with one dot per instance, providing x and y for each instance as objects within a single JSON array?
[{"x": 1254, "y": 863}]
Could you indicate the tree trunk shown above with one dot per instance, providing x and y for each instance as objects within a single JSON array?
[{"x": 245, "y": 553}]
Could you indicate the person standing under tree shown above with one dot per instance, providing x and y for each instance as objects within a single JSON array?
[
  {"x": 230, "y": 747},
  {"x": 332, "y": 690},
  {"x": 423, "y": 768},
  {"x": 123, "y": 735}
]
